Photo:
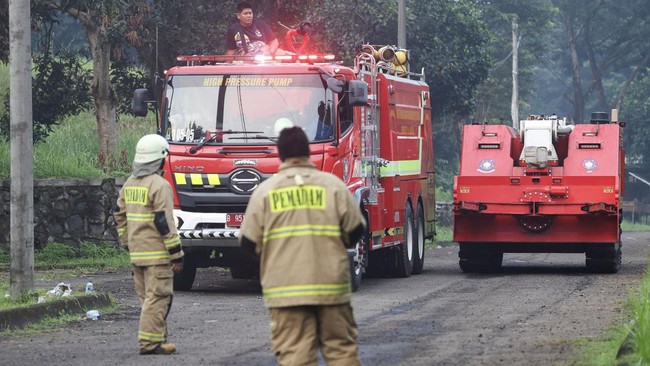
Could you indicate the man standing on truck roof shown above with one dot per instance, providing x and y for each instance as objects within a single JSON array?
[
  {"x": 249, "y": 35},
  {"x": 299, "y": 223},
  {"x": 145, "y": 225}
]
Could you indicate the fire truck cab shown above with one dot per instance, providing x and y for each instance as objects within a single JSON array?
[{"x": 369, "y": 124}]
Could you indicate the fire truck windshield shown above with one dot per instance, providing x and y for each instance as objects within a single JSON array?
[{"x": 245, "y": 109}]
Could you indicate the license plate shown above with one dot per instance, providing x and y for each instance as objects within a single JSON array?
[{"x": 234, "y": 219}]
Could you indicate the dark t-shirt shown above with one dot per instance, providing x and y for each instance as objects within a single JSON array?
[{"x": 254, "y": 37}]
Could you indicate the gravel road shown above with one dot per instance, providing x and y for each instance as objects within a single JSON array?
[{"x": 531, "y": 314}]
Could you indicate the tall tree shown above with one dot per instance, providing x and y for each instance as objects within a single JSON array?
[
  {"x": 104, "y": 22},
  {"x": 534, "y": 19},
  {"x": 609, "y": 46}
]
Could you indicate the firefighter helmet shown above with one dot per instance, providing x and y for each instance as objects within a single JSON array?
[{"x": 151, "y": 148}]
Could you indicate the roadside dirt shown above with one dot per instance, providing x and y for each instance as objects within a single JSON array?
[{"x": 531, "y": 313}]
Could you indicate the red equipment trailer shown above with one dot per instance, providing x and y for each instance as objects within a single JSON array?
[
  {"x": 549, "y": 188},
  {"x": 368, "y": 123}
]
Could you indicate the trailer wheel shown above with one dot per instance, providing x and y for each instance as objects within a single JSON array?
[
  {"x": 245, "y": 269},
  {"x": 604, "y": 259},
  {"x": 404, "y": 251},
  {"x": 184, "y": 280},
  {"x": 418, "y": 249},
  {"x": 473, "y": 259}
]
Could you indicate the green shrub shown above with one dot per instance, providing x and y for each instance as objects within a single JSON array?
[
  {"x": 4, "y": 257},
  {"x": 88, "y": 256},
  {"x": 639, "y": 305},
  {"x": 444, "y": 233},
  {"x": 98, "y": 251},
  {"x": 54, "y": 252}
]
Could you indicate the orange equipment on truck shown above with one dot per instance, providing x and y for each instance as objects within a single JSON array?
[
  {"x": 369, "y": 124},
  {"x": 551, "y": 187}
]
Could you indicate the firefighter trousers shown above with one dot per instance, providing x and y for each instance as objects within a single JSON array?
[
  {"x": 154, "y": 286},
  {"x": 297, "y": 332}
]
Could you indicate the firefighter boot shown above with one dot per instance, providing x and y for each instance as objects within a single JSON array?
[{"x": 161, "y": 349}]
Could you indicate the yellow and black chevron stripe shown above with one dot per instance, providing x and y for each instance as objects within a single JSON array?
[{"x": 188, "y": 180}]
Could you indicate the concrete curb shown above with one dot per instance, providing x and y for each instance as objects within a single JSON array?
[{"x": 21, "y": 317}]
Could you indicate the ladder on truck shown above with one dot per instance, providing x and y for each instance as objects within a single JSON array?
[{"x": 370, "y": 128}]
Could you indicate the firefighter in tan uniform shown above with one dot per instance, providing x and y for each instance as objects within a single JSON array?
[
  {"x": 299, "y": 223},
  {"x": 145, "y": 225}
]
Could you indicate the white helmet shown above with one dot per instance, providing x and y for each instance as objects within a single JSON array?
[
  {"x": 281, "y": 124},
  {"x": 151, "y": 148}
]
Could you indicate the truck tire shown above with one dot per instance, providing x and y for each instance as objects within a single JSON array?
[
  {"x": 418, "y": 249},
  {"x": 604, "y": 259},
  {"x": 184, "y": 280},
  {"x": 356, "y": 272},
  {"x": 359, "y": 263},
  {"x": 405, "y": 251},
  {"x": 479, "y": 260},
  {"x": 378, "y": 266},
  {"x": 245, "y": 270}
]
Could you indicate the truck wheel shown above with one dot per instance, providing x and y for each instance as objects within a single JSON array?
[
  {"x": 356, "y": 272},
  {"x": 245, "y": 270},
  {"x": 404, "y": 251},
  {"x": 604, "y": 259},
  {"x": 418, "y": 249},
  {"x": 479, "y": 260},
  {"x": 377, "y": 266},
  {"x": 184, "y": 280},
  {"x": 359, "y": 258}
]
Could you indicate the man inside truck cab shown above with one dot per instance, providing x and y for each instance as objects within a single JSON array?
[{"x": 251, "y": 36}]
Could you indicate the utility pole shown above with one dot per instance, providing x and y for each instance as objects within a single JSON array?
[
  {"x": 401, "y": 24},
  {"x": 22, "y": 146}
]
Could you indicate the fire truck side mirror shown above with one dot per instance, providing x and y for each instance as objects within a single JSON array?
[
  {"x": 139, "y": 103},
  {"x": 358, "y": 90},
  {"x": 335, "y": 85}
]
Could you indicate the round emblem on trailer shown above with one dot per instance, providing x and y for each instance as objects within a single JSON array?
[
  {"x": 245, "y": 180},
  {"x": 486, "y": 166},
  {"x": 590, "y": 165}
]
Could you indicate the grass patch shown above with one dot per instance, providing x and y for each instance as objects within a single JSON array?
[
  {"x": 72, "y": 149},
  {"x": 634, "y": 332},
  {"x": 49, "y": 323},
  {"x": 639, "y": 309},
  {"x": 88, "y": 258},
  {"x": 630, "y": 226},
  {"x": 444, "y": 233},
  {"x": 600, "y": 351}
]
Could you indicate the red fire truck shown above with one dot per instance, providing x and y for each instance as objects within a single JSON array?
[
  {"x": 369, "y": 124},
  {"x": 549, "y": 187}
]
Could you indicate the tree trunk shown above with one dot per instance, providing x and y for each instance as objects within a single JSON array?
[
  {"x": 578, "y": 98},
  {"x": 514, "y": 106},
  {"x": 104, "y": 98},
  {"x": 20, "y": 115},
  {"x": 596, "y": 74}
]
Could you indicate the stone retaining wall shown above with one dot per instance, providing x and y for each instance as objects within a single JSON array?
[
  {"x": 68, "y": 211},
  {"x": 72, "y": 211}
]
